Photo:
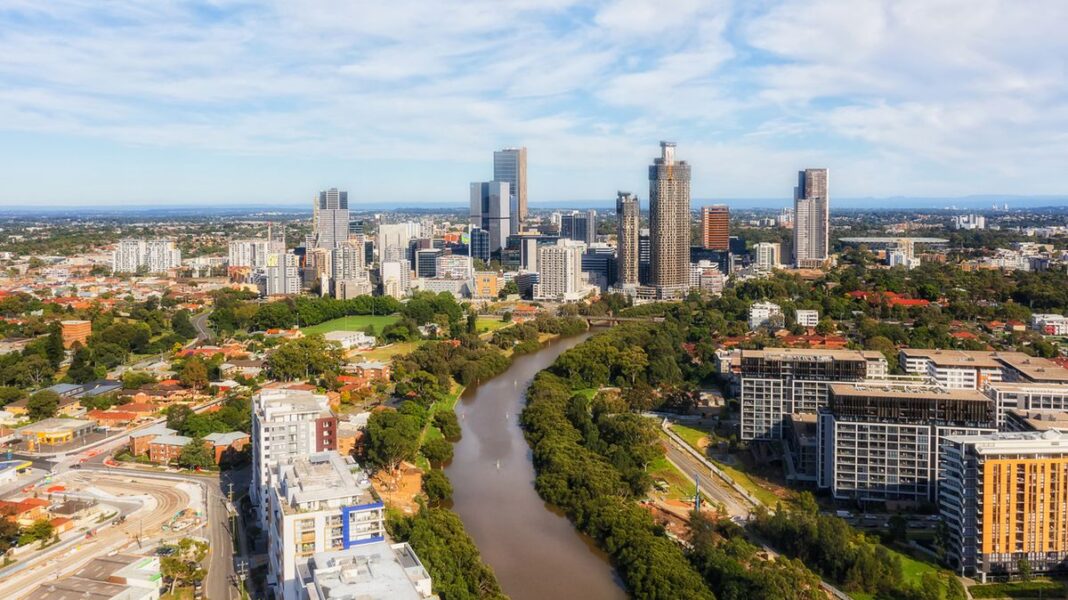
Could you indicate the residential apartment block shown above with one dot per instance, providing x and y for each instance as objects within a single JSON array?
[
  {"x": 776, "y": 382},
  {"x": 286, "y": 424},
  {"x": 317, "y": 503},
  {"x": 878, "y": 441},
  {"x": 1003, "y": 499}
]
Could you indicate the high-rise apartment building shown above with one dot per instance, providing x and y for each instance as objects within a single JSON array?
[
  {"x": 879, "y": 441},
  {"x": 811, "y": 218},
  {"x": 560, "y": 272},
  {"x": 489, "y": 210},
  {"x": 628, "y": 213},
  {"x": 331, "y": 218},
  {"x": 320, "y": 502},
  {"x": 252, "y": 253},
  {"x": 776, "y": 382},
  {"x": 669, "y": 223},
  {"x": 715, "y": 227},
  {"x": 767, "y": 255},
  {"x": 396, "y": 278},
  {"x": 1002, "y": 499},
  {"x": 510, "y": 165},
  {"x": 453, "y": 266},
  {"x": 282, "y": 275},
  {"x": 426, "y": 262},
  {"x": 149, "y": 256},
  {"x": 394, "y": 239},
  {"x": 286, "y": 424}
]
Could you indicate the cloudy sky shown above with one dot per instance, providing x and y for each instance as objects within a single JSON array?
[{"x": 219, "y": 101}]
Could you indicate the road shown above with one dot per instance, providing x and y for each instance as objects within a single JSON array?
[
  {"x": 203, "y": 327},
  {"x": 219, "y": 584},
  {"x": 714, "y": 487},
  {"x": 72, "y": 554}
]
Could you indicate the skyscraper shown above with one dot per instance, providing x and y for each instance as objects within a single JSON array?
[
  {"x": 811, "y": 218},
  {"x": 627, "y": 214},
  {"x": 510, "y": 165},
  {"x": 669, "y": 222},
  {"x": 715, "y": 225},
  {"x": 489, "y": 210},
  {"x": 579, "y": 226},
  {"x": 331, "y": 218}
]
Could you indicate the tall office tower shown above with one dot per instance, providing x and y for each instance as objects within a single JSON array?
[
  {"x": 715, "y": 226},
  {"x": 510, "y": 165},
  {"x": 627, "y": 220},
  {"x": 480, "y": 244},
  {"x": 490, "y": 211},
  {"x": 331, "y": 218},
  {"x": 811, "y": 218},
  {"x": 767, "y": 255},
  {"x": 286, "y": 424},
  {"x": 579, "y": 226},
  {"x": 1002, "y": 498},
  {"x": 560, "y": 272},
  {"x": 283, "y": 275},
  {"x": 669, "y": 222}
]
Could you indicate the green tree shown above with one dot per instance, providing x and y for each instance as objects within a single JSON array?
[
  {"x": 632, "y": 363},
  {"x": 196, "y": 454},
  {"x": 448, "y": 424},
  {"x": 392, "y": 438},
  {"x": 182, "y": 324},
  {"x": 437, "y": 487},
  {"x": 437, "y": 451},
  {"x": 1023, "y": 568},
  {"x": 81, "y": 366},
  {"x": 54, "y": 349},
  {"x": 178, "y": 415},
  {"x": 43, "y": 405},
  {"x": 10, "y": 394},
  {"x": 194, "y": 373}
]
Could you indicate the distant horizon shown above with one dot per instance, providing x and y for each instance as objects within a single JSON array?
[{"x": 971, "y": 203}]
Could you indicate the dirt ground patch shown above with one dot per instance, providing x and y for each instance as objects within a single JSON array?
[{"x": 402, "y": 490}]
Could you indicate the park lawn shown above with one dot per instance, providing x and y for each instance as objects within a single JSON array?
[
  {"x": 679, "y": 486},
  {"x": 588, "y": 393},
  {"x": 763, "y": 494},
  {"x": 180, "y": 593},
  {"x": 353, "y": 323},
  {"x": 692, "y": 435},
  {"x": 448, "y": 403},
  {"x": 912, "y": 571},
  {"x": 384, "y": 353},
  {"x": 486, "y": 325}
]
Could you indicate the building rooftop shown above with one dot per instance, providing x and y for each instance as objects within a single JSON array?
[
  {"x": 172, "y": 440},
  {"x": 377, "y": 571},
  {"x": 1041, "y": 420},
  {"x": 1039, "y": 370},
  {"x": 157, "y": 429},
  {"x": 225, "y": 439},
  {"x": 271, "y": 403},
  {"x": 888, "y": 390},
  {"x": 80, "y": 588},
  {"x": 954, "y": 358},
  {"x": 323, "y": 477},
  {"x": 55, "y": 424},
  {"x": 814, "y": 353},
  {"x": 1016, "y": 443}
]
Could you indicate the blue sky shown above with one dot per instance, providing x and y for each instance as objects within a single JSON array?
[{"x": 145, "y": 102}]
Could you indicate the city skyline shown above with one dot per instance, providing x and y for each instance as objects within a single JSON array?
[{"x": 139, "y": 104}]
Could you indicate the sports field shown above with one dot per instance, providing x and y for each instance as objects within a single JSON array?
[{"x": 354, "y": 323}]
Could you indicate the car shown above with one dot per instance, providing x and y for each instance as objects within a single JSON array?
[
  {"x": 76, "y": 466},
  {"x": 166, "y": 550}
]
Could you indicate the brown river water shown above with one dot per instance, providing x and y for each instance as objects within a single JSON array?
[{"x": 534, "y": 550}]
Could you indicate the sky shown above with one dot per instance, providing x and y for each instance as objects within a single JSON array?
[{"x": 149, "y": 103}]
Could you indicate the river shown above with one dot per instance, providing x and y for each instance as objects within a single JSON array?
[{"x": 534, "y": 550}]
